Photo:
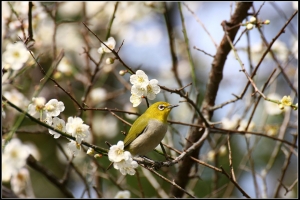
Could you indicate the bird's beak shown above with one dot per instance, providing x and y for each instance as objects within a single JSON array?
[{"x": 172, "y": 106}]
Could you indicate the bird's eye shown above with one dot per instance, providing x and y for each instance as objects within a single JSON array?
[{"x": 161, "y": 107}]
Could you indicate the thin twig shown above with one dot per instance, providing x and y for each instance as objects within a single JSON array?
[
  {"x": 235, "y": 183},
  {"x": 186, "y": 39},
  {"x": 113, "y": 51},
  {"x": 172, "y": 45},
  {"x": 204, "y": 28},
  {"x": 230, "y": 159},
  {"x": 169, "y": 181},
  {"x": 140, "y": 184}
]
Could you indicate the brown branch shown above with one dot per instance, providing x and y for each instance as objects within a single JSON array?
[
  {"x": 212, "y": 88},
  {"x": 230, "y": 159},
  {"x": 235, "y": 183},
  {"x": 204, "y": 52},
  {"x": 32, "y": 162},
  {"x": 284, "y": 170},
  {"x": 172, "y": 45},
  {"x": 140, "y": 184}
]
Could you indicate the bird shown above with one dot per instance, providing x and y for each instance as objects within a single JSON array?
[{"x": 149, "y": 129}]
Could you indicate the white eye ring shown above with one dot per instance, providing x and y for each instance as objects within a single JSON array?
[{"x": 161, "y": 107}]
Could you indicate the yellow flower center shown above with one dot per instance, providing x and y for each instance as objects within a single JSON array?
[
  {"x": 79, "y": 130},
  {"x": 50, "y": 108},
  {"x": 77, "y": 146},
  {"x": 59, "y": 127},
  {"x": 16, "y": 54},
  {"x": 14, "y": 154},
  {"x": 149, "y": 89},
  {"x": 38, "y": 108},
  {"x": 141, "y": 79},
  {"x": 120, "y": 151}
]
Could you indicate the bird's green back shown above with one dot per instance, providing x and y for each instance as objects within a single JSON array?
[{"x": 137, "y": 128}]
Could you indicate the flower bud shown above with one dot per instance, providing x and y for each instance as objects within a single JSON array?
[
  {"x": 252, "y": 20},
  {"x": 90, "y": 151},
  {"x": 97, "y": 155},
  {"x": 122, "y": 72},
  {"x": 267, "y": 22},
  {"x": 249, "y": 26},
  {"x": 110, "y": 61},
  {"x": 281, "y": 106}
]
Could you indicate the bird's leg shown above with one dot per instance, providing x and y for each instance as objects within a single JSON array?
[
  {"x": 148, "y": 161},
  {"x": 156, "y": 165},
  {"x": 164, "y": 151}
]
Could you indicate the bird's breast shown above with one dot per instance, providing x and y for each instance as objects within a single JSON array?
[{"x": 149, "y": 139}]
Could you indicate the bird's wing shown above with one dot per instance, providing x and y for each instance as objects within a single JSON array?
[{"x": 137, "y": 128}]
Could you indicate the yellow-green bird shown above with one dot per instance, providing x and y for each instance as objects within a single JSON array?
[{"x": 149, "y": 129}]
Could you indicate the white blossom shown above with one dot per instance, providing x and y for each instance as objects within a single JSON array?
[
  {"x": 135, "y": 100},
  {"x": 152, "y": 89},
  {"x": 117, "y": 153},
  {"x": 14, "y": 157},
  {"x": 16, "y": 98},
  {"x": 77, "y": 128},
  {"x": 126, "y": 166},
  {"x": 139, "y": 78},
  {"x": 16, "y": 152},
  {"x": 142, "y": 87},
  {"x": 37, "y": 106},
  {"x": 54, "y": 107},
  {"x": 139, "y": 90},
  {"x": 48, "y": 120},
  {"x": 20, "y": 180},
  {"x": 15, "y": 55},
  {"x": 74, "y": 147},
  {"x": 59, "y": 124},
  {"x": 111, "y": 43}
]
